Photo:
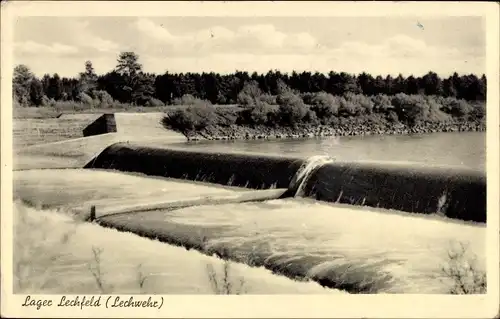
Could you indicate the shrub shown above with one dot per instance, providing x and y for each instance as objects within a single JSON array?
[
  {"x": 154, "y": 102},
  {"x": 455, "y": 107},
  {"x": 478, "y": 112},
  {"x": 258, "y": 114},
  {"x": 224, "y": 283},
  {"x": 186, "y": 99},
  {"x": 463, "y": 272},
  {"x": 382, "y": 103},
  {"x": 20, "y": 101},
  {"x": 249, "y": 94},
  {"x": 324, "y": 105},
  {"x": 15, "y": 102},
  {"x": 85, "y": 99},
  {"x": 195, "y": 117},
  {"x": 283, "y": 88},
  {"x": 291, "y": 108},
  {"x": 103, "y": 98},
  {"x": 411, "y": 109},
  {"x": 392, "y": 117},
  {"x": 435, "y": 114},
  {"x": 226, "y": 117},
  {"x": 307, "y": 97},
  {"x": 357, "y": 104},
  {"x": 268, "y": 98},
  {"x": 311, "y": 117},
  {"x": 347, "y": 108}
]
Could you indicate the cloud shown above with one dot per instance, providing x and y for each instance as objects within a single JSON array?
[
  {"x": 84, "y": 37},
  {"x": 398, "y": 46},
  {"x": 153, "y": 30},
  {"x": 55, "y": 45},
  {"x": 68, "y": 32},
  {"x": 31, "y": 47},
  {"x": 258, "y": 38}
]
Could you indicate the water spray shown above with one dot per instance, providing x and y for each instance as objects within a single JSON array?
[{"x": 299, "y": 180}]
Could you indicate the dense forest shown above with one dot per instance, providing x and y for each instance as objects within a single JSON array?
[
  {"x": 128, "y": 84},
  {"x": 351, "y": 104}
]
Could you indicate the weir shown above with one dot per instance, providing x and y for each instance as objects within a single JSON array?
[{"x": 453, "y": 192}]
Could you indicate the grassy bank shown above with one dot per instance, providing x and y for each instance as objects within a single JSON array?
[{"x": 72, "y": 107}]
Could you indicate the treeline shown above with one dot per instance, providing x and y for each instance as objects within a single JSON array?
[
  {"x": 357, "y": 112},
  {"x": 128, "y": 84}
]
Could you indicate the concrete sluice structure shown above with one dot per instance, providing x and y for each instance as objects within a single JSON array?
[{"x": 446, "y": 191}]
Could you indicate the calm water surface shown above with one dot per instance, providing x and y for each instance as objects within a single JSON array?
[{"x": 459, "y": 149}]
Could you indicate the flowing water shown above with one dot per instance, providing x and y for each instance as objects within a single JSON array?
[
  {"x": 350, "y": 248},
  {"x": 459, "y": 149}
]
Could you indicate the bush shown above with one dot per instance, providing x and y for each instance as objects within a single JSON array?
[
  {"x": 382, "y": 103},
  {"x": 195, "y": 117},
  {"x": 311, "y": 117},
  {"x": 103, "y": 98},
  {"x": 463, "y": 272},
  {"x": 324, "y": 105},
  {"x": 249, "y": 94},
  {"x": 226, "y": 117},
  {"x": 478, "y": 112},
  {"x": 268, "y": 98},
  {"x": 411, "y": 109},
  {"x": 455, "y": 107},
  {"x": 307, "y": 97},
  {"x": 259, "y": 113},
  {"x": 292, "y": 109},
  {"x": 20, "y": 101},
  {"x": 154, "y": 102},
  {"x": 357, "y": 104},
  {"x": 85, "y": 99},
  {"x": 392, "y": 117},
  {"x": 186, "y": 99}
]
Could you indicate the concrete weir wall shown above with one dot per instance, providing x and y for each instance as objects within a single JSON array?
[
  {"x": 104, "y": 124},
  {"x": 252, "y": 171},
  {"x": 453, "y": 192}
]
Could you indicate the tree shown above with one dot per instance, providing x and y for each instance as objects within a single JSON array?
[
  {"x": 55, "y": 89},
  {"x": 365, "y": 83},
  {"x": 128, "y": 64},
  {"x": 130, "y": 69},
  {"x": 144, "y": 89},
  {"x": 21, "y": 84},
  {"x": 412, "y": 86},
  {"x": 432, "y": 84},
  {"x": 249, "y": 94},
  {"x": 349, "y": 83},
  {"x": 36, "y": 92},
  {"x": 449, "y": 89},
  {"x": 88, "y": 79}
]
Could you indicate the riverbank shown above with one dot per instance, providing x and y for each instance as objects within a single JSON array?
[{"x": 350, "y": 127}]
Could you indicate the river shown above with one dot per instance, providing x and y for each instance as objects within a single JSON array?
[{"x": 466, "y": 149}]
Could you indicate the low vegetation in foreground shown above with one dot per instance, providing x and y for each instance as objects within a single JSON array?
[{"x": 267, "y": 105}]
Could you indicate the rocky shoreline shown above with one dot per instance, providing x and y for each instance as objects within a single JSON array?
[{"x": 241, "y": 132}]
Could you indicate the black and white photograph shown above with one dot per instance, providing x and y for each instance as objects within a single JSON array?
[{"x": 205, "y": 153}]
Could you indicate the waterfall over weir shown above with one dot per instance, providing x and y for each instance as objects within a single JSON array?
[
  {"x": 305, "y": 171},
  {"x": 454, "y": 192}
]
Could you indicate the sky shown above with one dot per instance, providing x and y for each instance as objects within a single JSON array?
[{"x": 377, "y": 45}]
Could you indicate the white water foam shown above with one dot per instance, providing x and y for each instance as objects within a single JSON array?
[{"x": 302, "y": 175}]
